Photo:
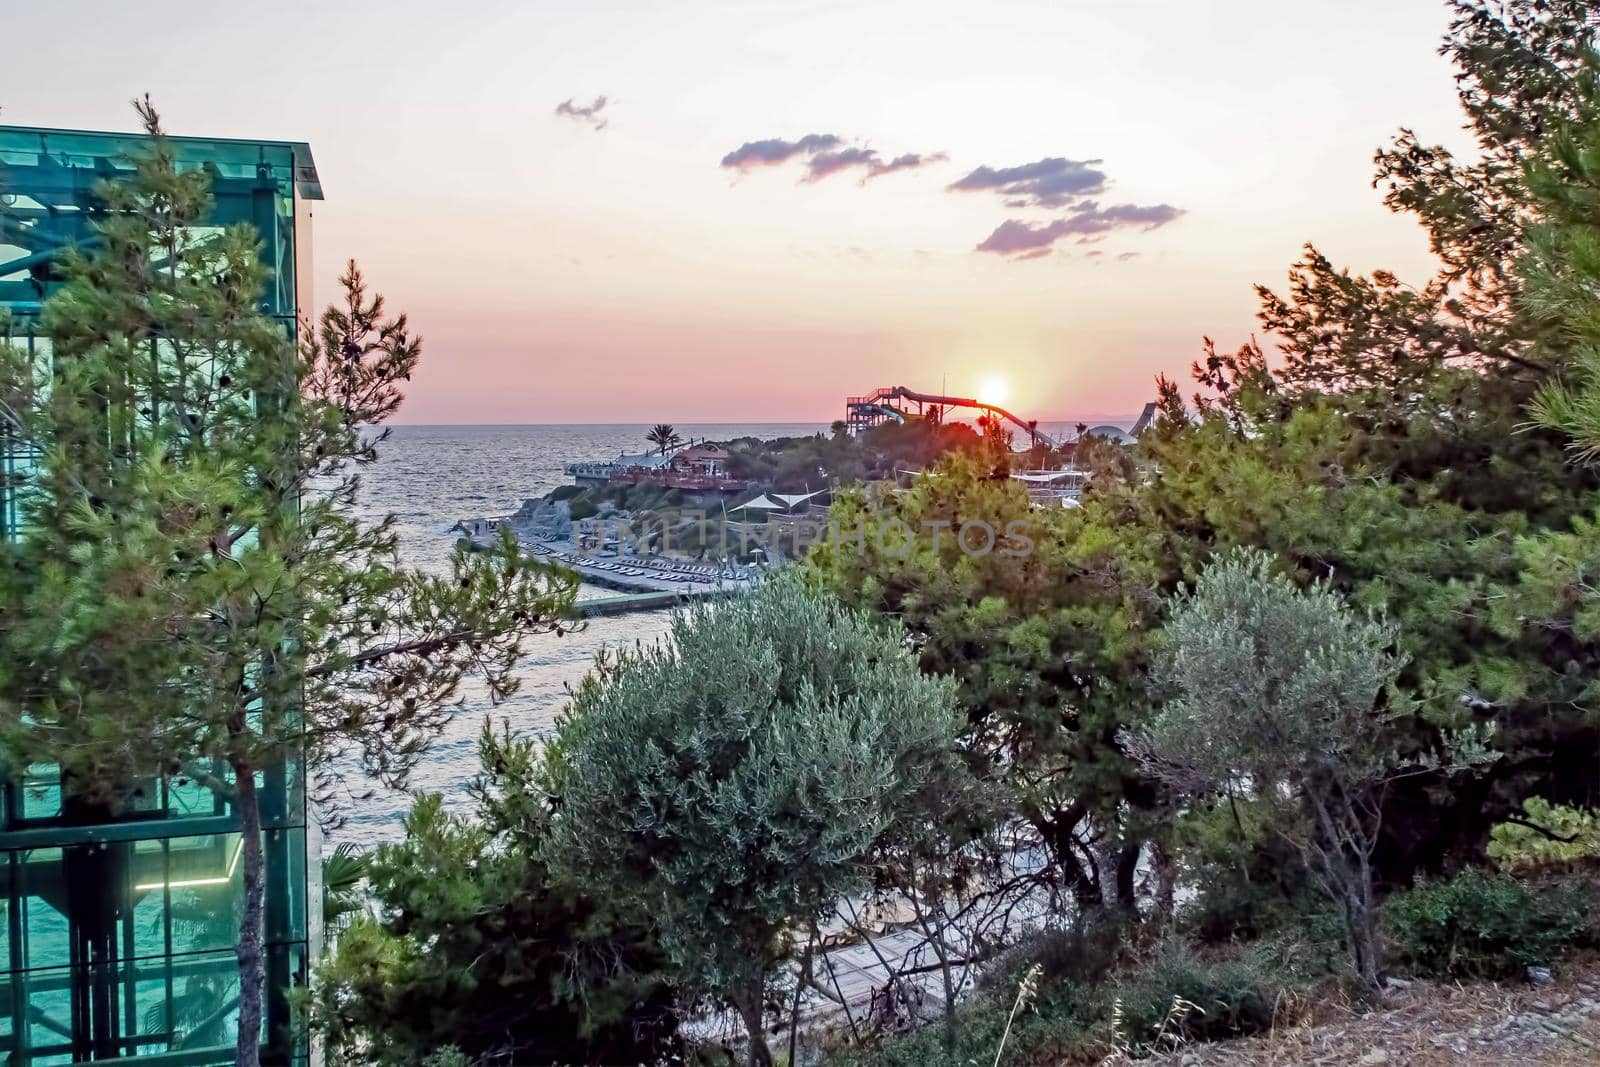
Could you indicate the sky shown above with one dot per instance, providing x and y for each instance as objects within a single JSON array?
[{"x": 695, "y": 211}]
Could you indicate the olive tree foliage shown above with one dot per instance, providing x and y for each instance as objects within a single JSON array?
[
  {"x": 192, "y": 594},
  {"x": 733, "y": 782},
  {"x": 1276, "y": 694}
]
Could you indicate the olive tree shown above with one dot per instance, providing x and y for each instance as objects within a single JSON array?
[
  {"x": 733, "y": 781},
  {"x": 1275, "y": 693}
]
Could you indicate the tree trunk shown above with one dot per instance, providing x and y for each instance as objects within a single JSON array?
[
  {"x": 1166, "y": 876},
  {"x": 801, "y": 979},
  {"x": 252, "y": 962},
  {"x": 750, "y": 1010},
  {"x": 1058, "y": 832},
  {"x": 936, "y": 937},
  {"x": 1127, "y": 878},
  {"x": 1362, "y": 920},
  {"x": 1347, "y": 877}
]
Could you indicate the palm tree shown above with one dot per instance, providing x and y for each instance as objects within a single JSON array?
[
  {"x": 342, "y": 873},
  {"x": 664, "y": 436}
]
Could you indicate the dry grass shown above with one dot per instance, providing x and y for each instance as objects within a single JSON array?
[{"x": 1431, "y": 1025}]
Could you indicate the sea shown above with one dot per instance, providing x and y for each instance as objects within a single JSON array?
[{"x": 431, "y": 477}]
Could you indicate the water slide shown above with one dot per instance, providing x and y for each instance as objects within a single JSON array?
[{"x": 900, "y": 392}]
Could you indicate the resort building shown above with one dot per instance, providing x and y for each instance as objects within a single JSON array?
[
  {"x": 710, "y": 461},
  {"x": 117, "y": 928}
]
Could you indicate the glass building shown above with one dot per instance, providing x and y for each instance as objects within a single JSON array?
[{"x": 117, "y": 931}]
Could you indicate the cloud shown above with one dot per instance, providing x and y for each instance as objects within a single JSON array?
[
  {"x": 587, "y": 113},
  {"x": 1052, "y": 182},
  {"x": 907, "y": 161},
  {"x": 1123, "y": 257},
  {"x": 771, "y": 152},
  {"x": 825, "y": 155},
  {"x": 825, "y": 163},
  {"x": 1090, "y": 218},
  {"x": 872, "y": 165},
  {"x": 1020, "y": 239},
  {"x": 1015, "y": 237}
]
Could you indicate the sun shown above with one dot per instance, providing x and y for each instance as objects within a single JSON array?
[{"x": 993, "y": 390}]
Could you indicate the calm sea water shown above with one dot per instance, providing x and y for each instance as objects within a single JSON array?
[{"x": 429, "y": 477}]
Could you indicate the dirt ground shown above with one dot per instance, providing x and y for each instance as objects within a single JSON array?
[{"x": 1426, "y": 1024}]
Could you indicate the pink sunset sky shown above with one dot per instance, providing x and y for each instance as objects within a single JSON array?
[{"x": 781, "y": 203}]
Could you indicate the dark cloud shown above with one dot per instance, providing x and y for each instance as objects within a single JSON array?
[
  {"x": 872, "y": 165},
  {"x": 1089, "y": 217},
  {"x": 1020, "y": 239},
  {"x": 825, "y": 155},
  {"x": 587, "y": 113},
  {"x": 771, "y": 152},
  {"x": 825, "y": 163},
  {"x": 907, "y": 161},
  {"x": 1024, "y": 240},
  {"x": 1125, "y": 256},
  {"x": 1053, "y": 182}
]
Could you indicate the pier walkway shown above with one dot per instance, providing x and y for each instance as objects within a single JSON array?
[
  {"x": 646, "y": 583},
  {"x": 627, "y": 602}
]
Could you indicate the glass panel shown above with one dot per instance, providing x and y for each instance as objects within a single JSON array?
[
  {"x": 41, "y": 792},
  {"x": 125, "y": 947},
  {"x": 48, "y": 1029}
]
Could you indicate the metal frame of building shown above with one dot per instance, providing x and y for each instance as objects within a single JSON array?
[{"x": 118, "y": 929}]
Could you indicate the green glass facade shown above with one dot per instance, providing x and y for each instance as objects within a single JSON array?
[{"x": 117, "y": 930}]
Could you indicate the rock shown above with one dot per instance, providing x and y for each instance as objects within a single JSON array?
[
  {"x": 1373, "y": 1057},
  {"x": 1540, "y": 976},
  {"x": 1396, "y": 983}
]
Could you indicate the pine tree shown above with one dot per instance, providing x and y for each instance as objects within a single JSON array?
[
  {"x": 191, "y": 585},
  {"x": 1560, "y": 275}
]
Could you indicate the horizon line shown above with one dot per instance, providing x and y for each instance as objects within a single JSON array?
[{"x": 1121, "y": 417}]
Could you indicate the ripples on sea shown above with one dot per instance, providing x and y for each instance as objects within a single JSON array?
[{"x": 429, "y": 477}]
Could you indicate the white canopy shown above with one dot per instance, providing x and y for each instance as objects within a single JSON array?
[
  {"x": 1050, "y": 476},
  {"x": 647, "y": 460},
  {"x": 760, "y": 503},
  {"x": 791, "y": 499}
]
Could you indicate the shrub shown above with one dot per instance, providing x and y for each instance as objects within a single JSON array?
[
  {"x": 1231, "y": 996},
  {"x": 1059, "y": 1025},
  {"x": 1517, "y": 847},
  {"x": 1483, "y": 925},
  {"x": 1080, "y": 955},
  {"x": 583, "y": 509},
  {"x": 1078, "y": 1016},
  {"x": 1246, "y": 879},
  {"x": 450, "y": 1056},
  {"x": 564, "y": 492},
  {"x": 477, "y": 955}
]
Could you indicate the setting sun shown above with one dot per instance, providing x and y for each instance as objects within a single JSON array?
[{"x": 993, "y": 390}]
